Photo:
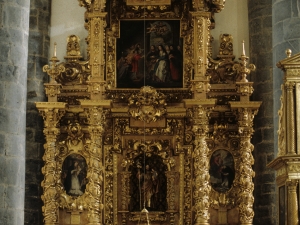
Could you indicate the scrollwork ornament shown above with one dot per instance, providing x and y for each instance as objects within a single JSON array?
[
  {"x": 188, "y": 190},
  {"x": 246, "y": 116},
  {"x": 93, "y": 5},
  {"x": 108, "y": 187},
  {"x": 147, "y": 105},
  {"x": 125, "y": 190},
  {"x": 52, "y": 90},
  {"x": 54, "y": 70},
  {"x": 245, "y": 89},
  {"x": 51, "y": 117},
  {"x": 85, "y": 2},
  {"x": 281, "y": 125},
  {"x": 171, "y": 177}
]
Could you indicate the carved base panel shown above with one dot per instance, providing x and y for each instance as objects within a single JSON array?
[
  {"x": 224, "y": 216},
  {"x": 67, "y": 217}
]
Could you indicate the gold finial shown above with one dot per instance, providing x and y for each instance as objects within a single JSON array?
[
  {"x": 288, "y": 53},
  {"x": 242, "y": 68}
]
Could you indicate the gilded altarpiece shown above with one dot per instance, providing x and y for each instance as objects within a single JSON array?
[
  {"x": 287, "y": 161},
  {"x": 175, "y": 149}
]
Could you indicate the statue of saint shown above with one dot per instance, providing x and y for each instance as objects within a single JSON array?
[{"x": 149, "y": 186}]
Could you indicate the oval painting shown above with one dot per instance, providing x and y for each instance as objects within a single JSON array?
[
  {"x": 74, "y": 171},
  {"x": 221, "y": 170}
]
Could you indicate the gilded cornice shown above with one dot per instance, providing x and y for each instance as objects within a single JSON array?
[
  {"x": 248, "y": 105},
  {"x": 291, "y": 62},
  {"x": 50, "y": 105},
  {"x": 197, "y": 102},
  {"x": 283, "y": 161},
  {"x": 96, "y": 103}
]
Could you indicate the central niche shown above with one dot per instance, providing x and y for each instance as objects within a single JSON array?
[{"x": 148, "y": 184}]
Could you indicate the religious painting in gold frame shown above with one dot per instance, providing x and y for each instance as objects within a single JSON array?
[
  {"x": 149, "y": 53},
  {"x": 74, "y": 175},
  {"x": 221, "y": 170}
]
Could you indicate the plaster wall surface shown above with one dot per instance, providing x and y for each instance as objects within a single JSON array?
[{"x": 68, "y": 18}]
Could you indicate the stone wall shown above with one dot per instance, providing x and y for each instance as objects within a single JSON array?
[
  {"x": 14, "y": 17},
  {"x": 264, "y": 139},
  {"x": 38, "y": 46}
]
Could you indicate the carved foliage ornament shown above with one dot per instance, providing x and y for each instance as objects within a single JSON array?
[{"x": 147, "y": 105}]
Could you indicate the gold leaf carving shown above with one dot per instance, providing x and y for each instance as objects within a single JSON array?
[{"x": 147, "y": 105}]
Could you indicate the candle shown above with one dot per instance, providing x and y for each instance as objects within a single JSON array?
[
  {"x": 54, "y": 49},
  {"x": 244, "y": 48}
]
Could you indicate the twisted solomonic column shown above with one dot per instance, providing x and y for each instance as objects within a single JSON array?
[
  {"x": 51, "y": 113},
  {"x": 201, "y": 189},
  {"x": 245, "y": 173},
  {"x": 94, "y": 189}
]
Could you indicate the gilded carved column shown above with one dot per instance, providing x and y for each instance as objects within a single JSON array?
[
  {"x": 94, "y": 189},
  {"x": 202, "y": 186},
  {"x": 96, "y": 24},
  {"x": 245, "y": 176},
  {"x": 199, "y": 111},
  {"x": 200, "y": 82},
  {"x": 287, "y": 162},
  {"x": 51, "y": 112},
  {"x": 291, "y": 134},
  {"x": 292, "y": 208}
]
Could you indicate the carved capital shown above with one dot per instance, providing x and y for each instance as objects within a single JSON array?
[
  {"x": 200, "y": 86},
  {"x": 93, "y": 5},
  {"x": 51, "y": 112},
  {"x": 52, "y": 91},
  {"x": 245, "y": 88}
]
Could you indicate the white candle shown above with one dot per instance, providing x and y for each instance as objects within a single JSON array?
[
  {"x": 244, "y": 48},
  {"x": 54, "y": 49}
]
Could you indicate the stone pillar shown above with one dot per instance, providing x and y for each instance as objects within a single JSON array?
[
  {"x": 266, "y": 89},
  {"x": 13, "y": 74},
  {"x": 38, "y": 47}
]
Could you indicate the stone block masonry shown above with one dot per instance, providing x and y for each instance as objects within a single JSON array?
[
  {"x": 38, "y": 54},
  {"x": 264, "y": 138},
  {"x": 14, "y": 26}
]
